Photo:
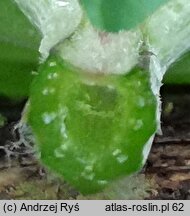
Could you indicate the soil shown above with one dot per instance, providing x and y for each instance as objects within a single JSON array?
[
  {"x": 169, "y": 160},
  {"x": 167, "y": 170}
]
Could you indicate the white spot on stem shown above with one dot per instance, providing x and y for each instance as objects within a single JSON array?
[
  {"x": 122, "y": 158},
  {"x": 48, "y": 117}
]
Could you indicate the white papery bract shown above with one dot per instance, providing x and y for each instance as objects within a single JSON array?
[{"x": 56, "y": 19}]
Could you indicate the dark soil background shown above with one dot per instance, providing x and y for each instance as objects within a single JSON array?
[
  {"x": 167, "y": 168},
  {"x": 169, "y": 161}
]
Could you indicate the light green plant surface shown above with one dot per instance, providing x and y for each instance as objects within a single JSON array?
[
  {"x": 19, "y": 42},
  {"x": 86, "y": 126}
]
